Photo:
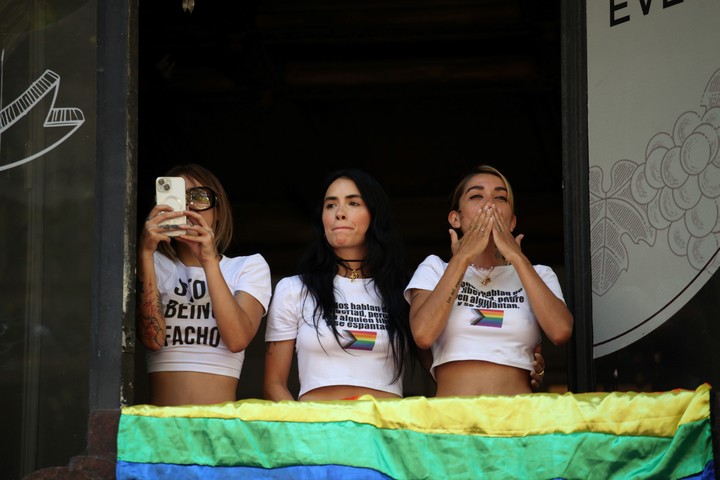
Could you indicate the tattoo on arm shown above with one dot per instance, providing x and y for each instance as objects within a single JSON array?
[
  {"x": 150, "y": 329},
  {"x": 149, "y": 319},
  {"x": 455, "y": 289},
  {"x": 156, "y": 324}
]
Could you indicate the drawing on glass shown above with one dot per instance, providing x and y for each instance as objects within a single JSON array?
[{"x": 69, "y": 119}]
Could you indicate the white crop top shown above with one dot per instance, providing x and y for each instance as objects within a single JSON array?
[
  {"x": 192, "y": 341},
  {"x": 364, "y": 361},
  {"x": 493, "y": 323}
]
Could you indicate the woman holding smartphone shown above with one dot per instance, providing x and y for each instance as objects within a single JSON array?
[{"x": 197, "y": 308}]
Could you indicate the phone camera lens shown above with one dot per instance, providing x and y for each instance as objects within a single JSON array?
[{"x": 166, "y": 187}]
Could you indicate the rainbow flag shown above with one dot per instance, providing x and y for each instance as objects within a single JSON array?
[
  {"x": 360, "y": 340},
  {"x": 661, "y": 435},
  {"x": 489, "y": 318}
]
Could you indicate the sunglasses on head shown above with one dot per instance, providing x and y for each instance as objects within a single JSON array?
[{"x": 200, "y": 198}]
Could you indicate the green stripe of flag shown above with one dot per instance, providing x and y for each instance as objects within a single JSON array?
[{"x": 403, "y": 453}]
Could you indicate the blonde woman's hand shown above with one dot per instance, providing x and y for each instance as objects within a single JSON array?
[
  {"x": 506, "y": 244},
  {"x": 477, "y": 236},
  {"x": 152, "y": 232},
  {"x": 200, "y": 237}
]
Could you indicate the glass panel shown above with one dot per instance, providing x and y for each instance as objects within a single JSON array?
[
  {"x": 681, "y": 353},
  {"x": 47, "y": 154},
  {"x": 654, "y": 193}
]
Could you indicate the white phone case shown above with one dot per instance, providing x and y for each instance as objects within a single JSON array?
[{"x": 171, "y": 191}]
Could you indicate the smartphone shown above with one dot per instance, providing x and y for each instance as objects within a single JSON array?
[{"x": 171, "y": 191}]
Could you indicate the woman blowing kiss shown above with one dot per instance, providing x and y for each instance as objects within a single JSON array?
[{"x": 483, "y": 312}]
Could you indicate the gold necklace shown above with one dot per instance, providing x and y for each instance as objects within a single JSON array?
[
  {"x": 353, "y": 274},
  {"x": 487, "y": 278},
  {"x": 353, "y": 271}
]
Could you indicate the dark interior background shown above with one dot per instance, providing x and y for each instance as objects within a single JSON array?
[{"x": 273, "y": 94}]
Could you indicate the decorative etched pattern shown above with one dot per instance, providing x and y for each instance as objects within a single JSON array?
[
  {"x": 613, "y": 214},
  {"x": 675, "y": 192}
]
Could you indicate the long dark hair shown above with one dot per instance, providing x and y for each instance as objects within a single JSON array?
[{"x": 385, "y": 262}]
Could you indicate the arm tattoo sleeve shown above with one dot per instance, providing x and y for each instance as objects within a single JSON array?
[{"x": 148, "y": 318}]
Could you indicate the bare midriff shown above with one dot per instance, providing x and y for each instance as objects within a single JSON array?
[
  {"x": 341, "y": 392},
  {"x": 191, "y": 388},
  {"x": 474, "y": 377}
]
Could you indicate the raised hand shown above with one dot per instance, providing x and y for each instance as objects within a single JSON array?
[
  {"x": 505, "y": 242},
  {"x": 199, "y": 237},
  {"x": 153, "y": 233},
  {"x": 475, "y": 239}
]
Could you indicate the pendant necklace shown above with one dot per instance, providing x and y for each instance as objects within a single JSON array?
[
  {"x": 354, "y": 272},
  {"x": 487, "y": 278}
]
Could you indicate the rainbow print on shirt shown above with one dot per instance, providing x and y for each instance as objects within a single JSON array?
[
  {"x": 359, "y": 340},
  {"x": 488, "y": 318}
]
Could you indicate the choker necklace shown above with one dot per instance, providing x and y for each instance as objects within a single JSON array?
[
  {"x": 353, "y": 271},
  {"x": 487, "y": 278}
]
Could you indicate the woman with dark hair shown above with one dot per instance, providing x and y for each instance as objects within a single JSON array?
[
  {"x": 344, "y": 313},
  {"x": 483, "y": 312},
  {"x": 197, "y": 308}
]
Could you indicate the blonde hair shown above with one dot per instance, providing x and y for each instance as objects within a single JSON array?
[
  {"x": 223, "y": 225},
  {"x": 480, "y": 169}
]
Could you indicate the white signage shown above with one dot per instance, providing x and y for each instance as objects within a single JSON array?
[{"x": 654, "y": 159}]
